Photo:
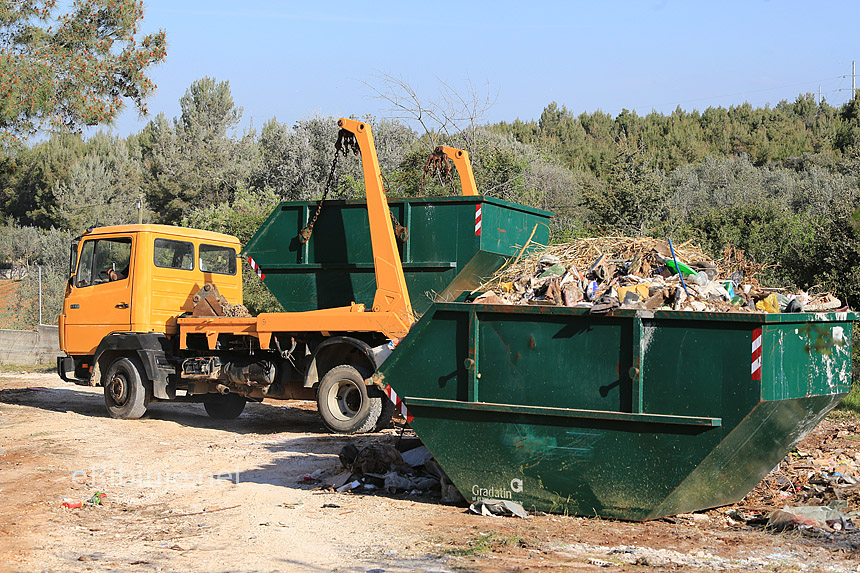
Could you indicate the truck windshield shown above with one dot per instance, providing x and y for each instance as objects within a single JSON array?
[{"x": 103, "y": 260}]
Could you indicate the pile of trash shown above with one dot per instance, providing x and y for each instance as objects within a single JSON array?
[
  {"x": 383, "y": 467},
  {"x": 816, "y": 492},
  {"x": 813, "y": 520},
  {"x": 812, "y": 479},
  {"x": 641, "y": 273}
]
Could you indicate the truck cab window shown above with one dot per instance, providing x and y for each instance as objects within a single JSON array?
[
  {"x": 216, "y": 259},
  {"x": 103, "y": 260},
  {"x": 174, "y": 254}
]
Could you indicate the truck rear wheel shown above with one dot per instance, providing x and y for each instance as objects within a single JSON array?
[
  {"x": 126, "y": 396},
  {"x": 344, "y": 404},
  {"x": 224, "y": 407}
]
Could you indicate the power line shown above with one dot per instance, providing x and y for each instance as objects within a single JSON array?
[{"x": 853, "y": 77}]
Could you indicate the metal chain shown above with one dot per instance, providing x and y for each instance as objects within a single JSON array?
[
  {"x": 438, "y": 162},
  {"x": 345, "y": 143},
  {"x": 400, "y": 231}
]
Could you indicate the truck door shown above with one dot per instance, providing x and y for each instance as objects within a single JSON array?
[{"x": 100, "y": 299}]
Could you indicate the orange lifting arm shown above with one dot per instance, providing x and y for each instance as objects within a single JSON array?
[
  {"x": 391, "y": 292},
  {"x": 460, "y": 157},
  {"x": 392, "y": 310}
]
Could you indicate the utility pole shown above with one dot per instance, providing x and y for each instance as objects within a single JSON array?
[
  {"x": 853, "y": 80},
  {"x": 819, "y": 94},
  {"x": 40, "y": 295},
  {"x": 140, "y": 210}
]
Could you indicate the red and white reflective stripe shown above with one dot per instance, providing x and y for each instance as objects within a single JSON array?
[
  {"x": 398, "y": 403},
  {"x": 756, "y": 354},
  {"x": 478, "y": 220},
  {"x": 256, "y": 268}
]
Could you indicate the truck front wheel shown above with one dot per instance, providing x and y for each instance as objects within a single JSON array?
[
  {"x": 126, "y": 396},
  {"x": 344, "y": 404}
]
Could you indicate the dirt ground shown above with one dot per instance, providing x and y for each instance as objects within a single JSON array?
[
  {"x": 185, "y": 492},
  {"x": 7, "y": 289}
]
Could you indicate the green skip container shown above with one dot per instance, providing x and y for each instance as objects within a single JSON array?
[
  {"x": 453, "y": 244},
  {"x": 634, "y": 415}
]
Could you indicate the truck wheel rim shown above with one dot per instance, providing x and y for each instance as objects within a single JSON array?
[
  {"x": 118, "y": 389},
  {"x": 344, "y": 400}
]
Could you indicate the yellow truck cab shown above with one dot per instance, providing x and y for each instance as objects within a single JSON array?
[{"x": 137, "y": 279}]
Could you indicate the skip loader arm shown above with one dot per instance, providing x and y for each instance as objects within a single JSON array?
[
  {"x": 391, "y": 292},
  {"x": 460, "y": 157},
  {"x": 392, "y": 310}
]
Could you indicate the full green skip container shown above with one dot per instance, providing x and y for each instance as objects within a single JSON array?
[
  {"x": 453, "y": 243},
  {"x": 633, "y": 415}
]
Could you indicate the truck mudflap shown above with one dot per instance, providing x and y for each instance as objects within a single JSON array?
[
  {"x": 632, "y": 415},
  {"x": 66, "y": 364},
  {"x": 338, "y": 350}
]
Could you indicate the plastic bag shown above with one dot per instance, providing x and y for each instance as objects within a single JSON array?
[{"x": 768, "y": 304}]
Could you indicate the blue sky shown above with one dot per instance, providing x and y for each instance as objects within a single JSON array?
[{"x": 292, "y": 60}]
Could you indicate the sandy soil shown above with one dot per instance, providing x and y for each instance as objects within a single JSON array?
[{"x": 185, "y": 492}]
